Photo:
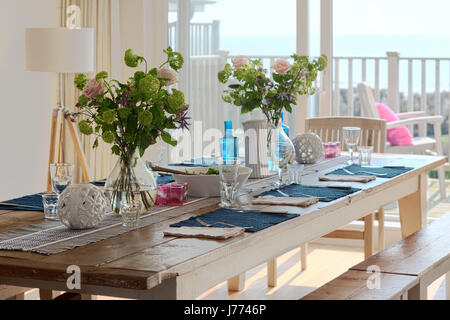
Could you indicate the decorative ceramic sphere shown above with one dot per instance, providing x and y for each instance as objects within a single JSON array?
[
  {"x": 308, "y": 148},
  {"x": 82, "y": 206}
]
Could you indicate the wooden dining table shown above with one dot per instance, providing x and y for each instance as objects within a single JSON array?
[{"x": 144, "y": 264}]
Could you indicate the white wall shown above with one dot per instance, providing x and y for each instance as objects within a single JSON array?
[{"x": 26, "y": 100}]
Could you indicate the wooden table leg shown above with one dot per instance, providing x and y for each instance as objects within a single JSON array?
[
  {"x": 237, "y": 283},
  {"x": 413, "y": 209},
  {"x": 272, "y": 273},
  {"x": 48, "y": 294},
  {"x": 447, "y": 286}
]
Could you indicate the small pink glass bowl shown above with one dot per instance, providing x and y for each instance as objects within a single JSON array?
[
  {"x": 332, "y": 149},
  {"x": 172, "y": 194}
]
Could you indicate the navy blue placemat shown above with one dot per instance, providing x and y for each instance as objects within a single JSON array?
[
  {"x": 252, "y": 221},
  {"x": 34, "y": 200},
  {"x": 325, "y": 194},
  {"x": 379, "y": 172}
]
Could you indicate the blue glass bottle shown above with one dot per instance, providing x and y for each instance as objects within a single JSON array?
[
  {"x": 284, "y": 125},
  {"x": 229, "y": 143}
]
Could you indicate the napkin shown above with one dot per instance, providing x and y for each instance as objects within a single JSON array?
[
  {"x": 204, "y": 233},
  {"x": 347, "y": 178},
  {"x": 285, "y": 201}
]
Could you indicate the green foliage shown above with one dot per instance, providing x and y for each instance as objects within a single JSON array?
[
  {"x": 85, "y": 127},
  {"x": 132, "y": 115},
  {"x": 252, "y": 88},
  {"x": 108, "y": 137},
  {"x": 80, "y": 81},
  {"x": 101, "y": 75},
  {"x": 175, "y": 101}
]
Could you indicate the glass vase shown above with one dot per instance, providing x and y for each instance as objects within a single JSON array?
[
  {"x": 281, "y": 153},
  {"x": 131, "y": 180}
]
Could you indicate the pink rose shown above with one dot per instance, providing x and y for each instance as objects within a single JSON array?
[
  {"x": 239, "y": 62},
  {"x": 93, "y": 88},
  {"x": 166, "y": 73},
  {"x": 281, "y": 66}
]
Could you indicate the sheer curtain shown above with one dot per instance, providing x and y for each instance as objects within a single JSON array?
[{"x": 96, "y": 14}]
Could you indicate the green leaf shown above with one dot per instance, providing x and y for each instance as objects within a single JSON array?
[
  {"x": 167, "y": 138},
  {"x": 115, "y": 150}
]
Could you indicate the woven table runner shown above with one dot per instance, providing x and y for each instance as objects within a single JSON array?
[{"x": 51, "y": 237}]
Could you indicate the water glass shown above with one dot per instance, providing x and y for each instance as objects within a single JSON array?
[
  {"x": 50, "y": 202},
  {"x": 351, "y": 138},
  {"x": 61, "y": 175},
  {"x": 131, "y": 212},
  {"x": 295, "y": 172},
  {"x": 365, "y": 155},
  {"x": 229, "y": 172}
]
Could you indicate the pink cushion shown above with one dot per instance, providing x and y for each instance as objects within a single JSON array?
[{"x": 400, "y": 136}]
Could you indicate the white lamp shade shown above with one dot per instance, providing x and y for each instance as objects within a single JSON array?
[{"x": 59, "y": 50}]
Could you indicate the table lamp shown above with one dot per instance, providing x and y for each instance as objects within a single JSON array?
[{"x": 61, "y": 50}]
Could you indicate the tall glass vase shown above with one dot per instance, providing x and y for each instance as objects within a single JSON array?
[
  {"x": 281, "y": 152},
  {"x": 131, "y": 180}
]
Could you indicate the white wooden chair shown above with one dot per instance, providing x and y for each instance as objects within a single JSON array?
[{"x": 421, "y": 143}]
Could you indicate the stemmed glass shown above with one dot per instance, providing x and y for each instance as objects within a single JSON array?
[
  {"x": 351, "y": 138},
  {"x": 61, "y": 174},
  {"x": 229, "y": 172}
]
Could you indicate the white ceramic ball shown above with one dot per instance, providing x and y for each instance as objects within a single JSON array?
[
  {"x": 82, "y": 206},
  {"x": 308, "y": 148}
]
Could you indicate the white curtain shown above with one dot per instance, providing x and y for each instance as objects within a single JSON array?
[{"x": 96, "y": 14}]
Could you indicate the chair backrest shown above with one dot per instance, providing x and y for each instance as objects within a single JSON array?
[
  {"x": 373, "y": 131},
  {"x": 368, "y": 104}
]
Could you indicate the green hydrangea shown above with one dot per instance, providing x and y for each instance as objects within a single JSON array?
[
  {"x": 109, "y": 116},
  {"x": 225, "y": 74},
  {"x": 148, "y": 86},
  {"x": 175, "y": 59},
  {"x": 101, "y": 75},
  {"x": 85, "y": 128},
  {"x": 83, "y": 100},
  {"x": 145, "y": 117},
  {"x": 108, "y": 137},
  {"x": 176, "y": 101},
  {"x": 323, "y": 62},
  {"x": 131, "y": 60},
  {"x": 80, "y": 81}
]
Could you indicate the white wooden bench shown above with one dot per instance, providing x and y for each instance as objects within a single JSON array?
[
  {"x": 425, "y": 254},
  {"x": 406, "y": 269},
  {"x": 355, "y": 285}
]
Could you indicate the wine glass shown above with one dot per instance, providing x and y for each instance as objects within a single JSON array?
[
  {"x": 61, "y": 174},
  {"x": 351, "y": 138},
  {"x": 229, "y": 172}
]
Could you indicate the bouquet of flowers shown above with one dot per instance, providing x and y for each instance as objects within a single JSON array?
[
  {"x": 254, "y": 88},
  {"x": 134, "y": 114},
  {"x": 131, "y": 116}
]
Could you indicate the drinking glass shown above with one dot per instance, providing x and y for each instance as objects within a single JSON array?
[
  {"x": 50, "y": 202},
  {"x": 131, "y": 212},
  {"x": 61, "y": 174},
  {"x": 229, "y": 172},
  {"x": 295, "y": 171},
  {"x": 365, "y": 155},
  {"x": 351, "y": 138}
]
